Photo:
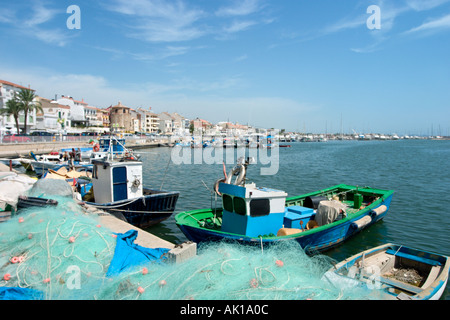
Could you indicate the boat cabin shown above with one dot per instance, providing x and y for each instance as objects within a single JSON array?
[
  {"x": 115, "y": 180},
  {"x": 118, "y": 145},
  {"x": 252, "y": 211}
]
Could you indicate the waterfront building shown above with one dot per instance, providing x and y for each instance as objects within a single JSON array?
[
  {"x": 91, "y": 115},
  {"x": 135, "y": 120},
  {"x": 152, "y": 122},
  {"x": 103, "y": 119},
  {"x": 120, "y": 118},
  {"x": 149, "y": 121},
  {"x": 55, "y": 116},
  {"x": 165, "y": 123},
  {"x": 180, "y": 125},
  {"x": 201, "y": 126},
  {"x": 7, "y": 123},
  {"x": 77, "y": 114}
]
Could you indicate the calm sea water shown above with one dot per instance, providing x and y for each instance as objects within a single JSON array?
[{"x": 417, "y": 170}]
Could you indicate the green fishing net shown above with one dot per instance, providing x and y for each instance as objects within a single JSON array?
[
  {"x": 55, "y": 250},
  {"x": 64, "y": 253}
]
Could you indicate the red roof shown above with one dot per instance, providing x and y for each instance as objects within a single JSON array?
[{"x": 14, "y": 85}]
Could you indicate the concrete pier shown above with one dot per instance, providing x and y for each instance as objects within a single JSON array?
[{"x": 144, "y": 238}]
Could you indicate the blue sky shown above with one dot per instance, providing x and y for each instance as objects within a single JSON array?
[{"x": 288, "y": 64}]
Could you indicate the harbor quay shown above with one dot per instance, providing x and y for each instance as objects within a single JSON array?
[{"x": 9, "y": 150}]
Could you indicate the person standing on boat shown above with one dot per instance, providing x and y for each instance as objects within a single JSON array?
[
  {"x": 78, "y": 155},
  {"x": 71, "y": 156}
]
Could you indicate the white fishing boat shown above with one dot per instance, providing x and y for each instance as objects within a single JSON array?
[
  {"x": 40, "y": 164},
  {"x": 118, "y": 189}
]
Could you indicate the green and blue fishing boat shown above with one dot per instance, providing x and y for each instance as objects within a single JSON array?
[{"x": 257, "y": 215}]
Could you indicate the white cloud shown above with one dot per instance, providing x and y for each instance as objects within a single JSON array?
[
  {"x": 7, "y": 15},
  {"x": 238, "y": 26},
  {"x": 421, "y": 5},
  {"x": 432, "y": 25},
  {"x": 40, "y": 15},
  {"x": 240, "y": 8},
  {"x": 31, "y": 25},
  {"x": 160, "y": 21}
]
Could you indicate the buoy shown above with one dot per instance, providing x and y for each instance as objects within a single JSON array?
[
  {"x": 279, "y": 263},
  {"x": 162, "y": 283},
  {"x": 14, "y": 259},
  {"x": 7, "y": 277},
  {"x": 141, "y": 290},
  {"x": 21, "y": 220},
  {"x": 30, "y": 235},
  {"x": 46, "y": 280},
  {"x": 254, "y": 283},
  {"x": 72, "y": 239},
  {"x": 144, "y": 270},
  {"x": 98, "y": 226}
]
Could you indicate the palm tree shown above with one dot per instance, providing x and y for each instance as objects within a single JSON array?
[
  {"x": 26, "y": 97},
  {"x": 13, "y": 107}
]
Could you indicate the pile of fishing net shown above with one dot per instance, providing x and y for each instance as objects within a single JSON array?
[
  {"x": 225, "y": 271},
  {"x": 60, "y": 252},
  {"x": 406, "y": 275},
  {"x": 51, "y": 252}
]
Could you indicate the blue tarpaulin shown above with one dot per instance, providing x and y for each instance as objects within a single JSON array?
[
  {"x": 16, "y": 293},
  {"x": 129, "y": 254}
]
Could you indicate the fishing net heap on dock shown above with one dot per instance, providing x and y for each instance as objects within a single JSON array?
[{"x": 60, "y": 252}]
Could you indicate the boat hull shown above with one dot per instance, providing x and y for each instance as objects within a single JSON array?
[
  {"x": 150, "y": 209},
  {"x": 318, "y": 239},
  {"x": 40, "y": 168}
]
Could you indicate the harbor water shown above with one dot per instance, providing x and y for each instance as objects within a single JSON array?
[{"x": 417, "y": 170}]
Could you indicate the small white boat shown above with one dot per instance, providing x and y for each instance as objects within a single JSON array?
[
  {"x": 40, "y": 164},
  {"x": 393, "y": 272}
]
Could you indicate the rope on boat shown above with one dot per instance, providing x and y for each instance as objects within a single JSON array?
[
  {"x": 262, "y": 249},
  {"x": 201, "y": 223}
]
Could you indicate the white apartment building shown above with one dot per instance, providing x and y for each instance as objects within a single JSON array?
[
  {"x": 7, "y": 123},
  {"x": 91, "y": 114},
  {"x": 165, "y": 123},
  {"x": 77, "y": 114},
  {"x": 149, "y": 121},
  {"x": 55, "y": 116}
]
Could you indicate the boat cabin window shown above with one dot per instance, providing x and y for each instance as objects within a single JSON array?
[
  {"x": 259, "y": 207},
  {"x": 94, "y": 171},
  {"x": 234, "y": 204},
  {"x": 227, "y": 202},
  {"x": 239, "y": 206}
]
